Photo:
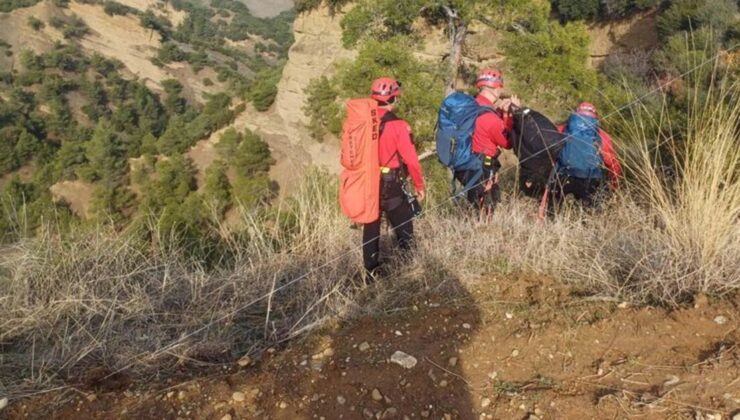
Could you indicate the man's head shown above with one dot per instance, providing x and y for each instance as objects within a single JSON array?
[
  {"x": 588, "y": 109},
  {"x": 385, "y": 90},
  {"x": 490, "y": 82}
]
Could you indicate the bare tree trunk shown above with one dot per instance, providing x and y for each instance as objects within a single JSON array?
[{"x": 458, "y": 32}]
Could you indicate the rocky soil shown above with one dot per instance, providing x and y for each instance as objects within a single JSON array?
[{"x": 507, "y": 348}]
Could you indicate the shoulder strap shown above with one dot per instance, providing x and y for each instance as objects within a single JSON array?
[
  {"x": 389, "y": 116},
  {"x": 484, "y": 109}
]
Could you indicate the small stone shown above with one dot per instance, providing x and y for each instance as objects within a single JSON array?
[
  {"x": 364, "y": 346},
  {"x": 467, "y": 326},
  {"x": 623, "y": 305},
  {"x": 244, "y": 361},
  {"x": 329, "y": 352},
  {"x": 341, "y": 400},
  {"x": 701, "y": 301},
  {"x": 170, "y": 394},
  {"x": 736, "y": 416},
  {"x": 538, "y": 411},
  {"x": 377, "y": 396},
  {"x": 443, "y": 383},
  {"x": 181, "y": 395},
  {"x": 238, "y": 396},
  {"x": 367, "y": 413},
  {"x": 493, "y": 375},
  {"x": 447, "y": 416},
  {"x": 398, "y": 333},
  {"x": 402, "y": 359},
  {"x": 452, "y": 362},
  {"x": 283, "y": 405},
  {"x": 720, "y": 320},
  {"x": 485, "y": 402},
  {"x": 91, "y": 397},
  {"x": 389, "y": 413},
  {"x": 515, "y": 353},
  {"x": 226, "y": 417},
  {"x": 509, "y": 315},
  {"x": 3, "y": 402},
  {"x": 522, "y": 407}
]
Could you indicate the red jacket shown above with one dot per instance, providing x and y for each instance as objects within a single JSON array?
[
  {"x": 491, "y": 130},
  {"x": 396, "y": 141},
  {"x": 608, "y": 154}
]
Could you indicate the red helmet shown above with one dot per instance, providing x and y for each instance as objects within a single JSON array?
[
  {"x": 588, "y": 109},
  {"x": 491, "y": 78},
  {"x": 385, "y": 88}
]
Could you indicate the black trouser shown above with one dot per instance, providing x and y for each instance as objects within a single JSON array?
[
  {"x": 393, "y": 203},
  {"x": 583, "y": 189},
  {"x": 477, "y": 194}
]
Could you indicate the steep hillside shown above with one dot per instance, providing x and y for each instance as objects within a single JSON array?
[
  {"x": 119, "y": 37},
  {"x": 316, "y": 51}
]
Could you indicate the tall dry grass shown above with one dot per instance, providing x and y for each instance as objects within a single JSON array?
[{"x": 100, "y": 298}]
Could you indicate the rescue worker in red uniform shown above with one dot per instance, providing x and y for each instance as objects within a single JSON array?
[
  {"x": 491, "y": 132},
  {"x": 584, "y": 186},
  {"x": 398, "y": 158}
]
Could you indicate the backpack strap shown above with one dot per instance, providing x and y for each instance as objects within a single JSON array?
[
  {"x": 388, "y": 117},
  {"x": 485, "y": 109}
]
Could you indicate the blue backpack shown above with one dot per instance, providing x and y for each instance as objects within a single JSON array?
[
  {"x": 581, "y": 156},
  {"x": 455, "y": 125}
]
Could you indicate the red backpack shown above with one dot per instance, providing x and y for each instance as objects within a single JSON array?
[{"x": 359, "y": 182}]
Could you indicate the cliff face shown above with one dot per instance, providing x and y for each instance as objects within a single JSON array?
[{"x": 316, "y": 51}]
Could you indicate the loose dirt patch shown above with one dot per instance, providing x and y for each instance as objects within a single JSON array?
[
  {"x": 508, "y": 348},
  {"x": 635, "y": 33},
  {"x": 262, "y": 8},
  {"x": 76, "y": 194}
]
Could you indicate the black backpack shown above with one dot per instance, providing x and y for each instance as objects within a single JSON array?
[{"x": 537, "y": 143}]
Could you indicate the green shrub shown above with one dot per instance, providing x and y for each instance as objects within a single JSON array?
[
  {"x": 10, "y": 5},
  {"x": 251, "y": 192},
  {"x": 56, "y": 22},
  {"x": 551, "y": 65},
  {"x": 322, "y": 108},
  {"x": 169, "y": 52},
  {"x": 263, "y": 90},
  {"x": 252, "y": 156},
  {"x": 217, "y": 190},
  {"x": 36, "y": 23},
  {"x": 577, "y": 9},
  {"x": 75, "y": 28},
  {"x": 113, "y": 8},
  {"x": 687, "y": 15},
  {"x": 176, "y": 139},
  {"x": 160, "y": 24}
]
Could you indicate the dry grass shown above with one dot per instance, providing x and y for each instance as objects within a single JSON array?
[{"x": 104, "y": 299}]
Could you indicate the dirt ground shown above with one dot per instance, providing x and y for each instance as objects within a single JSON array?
[{"x": 509, "y": 348}]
